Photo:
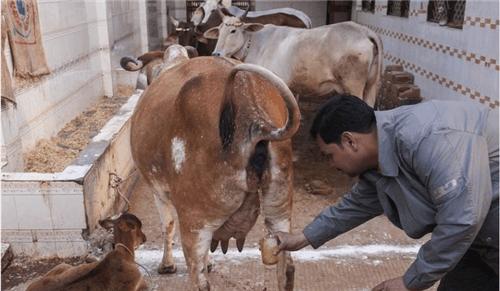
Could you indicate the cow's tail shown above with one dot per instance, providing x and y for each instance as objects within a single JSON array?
[
  {"x": 374, "y": 81},
  {"x": 264, "y": 129},
  {"x": 132, "y": 64}
]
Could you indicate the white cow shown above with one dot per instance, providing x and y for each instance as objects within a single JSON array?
[{"x": 344, "y": 57}]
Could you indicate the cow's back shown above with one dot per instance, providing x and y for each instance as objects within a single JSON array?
[
  {"x": 180, "y": 109},
  {"x": 299, "y": 56},
  {"x": 176, "y": 135}
]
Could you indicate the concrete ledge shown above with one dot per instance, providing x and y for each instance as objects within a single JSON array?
[
  {"x": 7, "y": 256},
  {"x": 47, "y": 214}
]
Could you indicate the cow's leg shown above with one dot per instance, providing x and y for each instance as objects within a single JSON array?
[
  {"x": 353, "y": 71},
  {"x": 164, "y": 205},
  {"x": 195, "y": 245},
  {"x": 277, "y": 205},
  {"x": 355, "y": 86},
  {"x": 370, "y": 93}
]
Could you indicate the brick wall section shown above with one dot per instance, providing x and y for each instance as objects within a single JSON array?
[{"x": 398, "y": 89}]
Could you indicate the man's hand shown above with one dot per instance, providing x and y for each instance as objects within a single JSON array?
[
  {"x": 396, "y": 284},
  {"x": 290, "y": 242}
]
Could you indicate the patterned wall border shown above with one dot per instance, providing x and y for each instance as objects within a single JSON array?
[
  {"x": 417, "y": 12},
  {"x": 475, "y": 21},
  {"x": 380, "y": 8},
  {"x": 445, "y": 49},
  {"x": 462, "y": 89},
  {"x": 482, "y": 22}
]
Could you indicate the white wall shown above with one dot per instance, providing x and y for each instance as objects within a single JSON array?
[
  {"x": 83, "y": 42},
  {"x": 448, "y": 63}
]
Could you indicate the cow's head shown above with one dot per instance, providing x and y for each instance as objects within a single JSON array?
[
  {"x": 126, "y": 229},
  {"x": 184, "y": 33},
  {"x": 203, "y": 12},
  {"x": 233, "y": 35}
]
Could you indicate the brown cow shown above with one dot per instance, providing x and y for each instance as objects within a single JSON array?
[
  {"x": 117, "y": 271},
  {"x": 208, "y": 135},
  {"x": 152, "y": 62}
]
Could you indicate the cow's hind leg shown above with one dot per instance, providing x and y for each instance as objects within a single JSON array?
[
  {"x": 195, "y": 245},
  {"x": 353, "y": 71},
  {"x": 277, "y": 206},
  {"x": 165, "y": 208}
]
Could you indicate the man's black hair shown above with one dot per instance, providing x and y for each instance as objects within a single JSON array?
[{"x": 340, "y": 114}]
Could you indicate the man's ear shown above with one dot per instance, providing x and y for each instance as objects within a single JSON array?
[
  {"x": 348, "y": 140},
  {"x": 253, "y": 27},
  {"x": 212, "y": 33}
]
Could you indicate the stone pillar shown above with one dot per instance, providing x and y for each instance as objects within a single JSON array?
[{"x": 104, "y": 38}]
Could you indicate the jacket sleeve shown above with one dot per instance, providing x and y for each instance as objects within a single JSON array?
[
  {"x": 357, "y": 206},
  {"x": 454, "y": 168}
]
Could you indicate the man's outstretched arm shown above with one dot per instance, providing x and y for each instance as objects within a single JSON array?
[{"x": 356, "y": 207}]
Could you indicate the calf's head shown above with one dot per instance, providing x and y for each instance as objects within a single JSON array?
[
  {"x": 126, "y": 229},
  {"x": 232, "y": 35},
  {"x": 184, "y": 33}
]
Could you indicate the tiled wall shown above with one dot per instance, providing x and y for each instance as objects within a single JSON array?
[
  {"x": 448, "y": 63},
  {"x": 42, "y": 218},
  {"x": 83, "y": 42}
]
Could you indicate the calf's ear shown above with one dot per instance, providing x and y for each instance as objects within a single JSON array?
[
  {"x": 252, "y": 27},
  {"x": 107, "y": 223},
  {"x": 212, "y": 33}
]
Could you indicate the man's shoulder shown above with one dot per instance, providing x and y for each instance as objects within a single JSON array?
[{"x": 408, "y": 123}]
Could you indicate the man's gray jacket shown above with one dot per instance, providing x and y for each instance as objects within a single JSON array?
[{"x": 438, "y": 172}]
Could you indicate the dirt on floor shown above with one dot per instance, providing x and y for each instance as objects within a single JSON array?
[
  {"x": 24, "y": 269},
  {"x": 54, "y": 154}
]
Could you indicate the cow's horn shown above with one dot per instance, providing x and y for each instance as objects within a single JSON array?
[
  {"x": 246, "y": 12},
  {"x": 269, "y": 131},
  {"x": 131, "y": 64},
  {"x": 221, "y": 14}
]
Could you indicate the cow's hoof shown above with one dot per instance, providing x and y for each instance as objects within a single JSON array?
[
  {"x": 167, "y": 269},
  {"x": 210, "y": 267},
  {"x": 205, "y": 287}
]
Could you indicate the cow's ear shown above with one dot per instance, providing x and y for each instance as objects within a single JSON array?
[
  {"x": 198, "y": 15},
  {"x": 107, "y": 223},
  {"x": 253, "y": 27},
  {"x": 201, "y": 39},
  {"x": 174, "y": 21},
  {"x": 212, "y": 33}
]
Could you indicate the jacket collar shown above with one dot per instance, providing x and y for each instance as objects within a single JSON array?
[{"x": 387, "y": 155}]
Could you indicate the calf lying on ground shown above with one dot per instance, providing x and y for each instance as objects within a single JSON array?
[{"x": 117, "y": 271}]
